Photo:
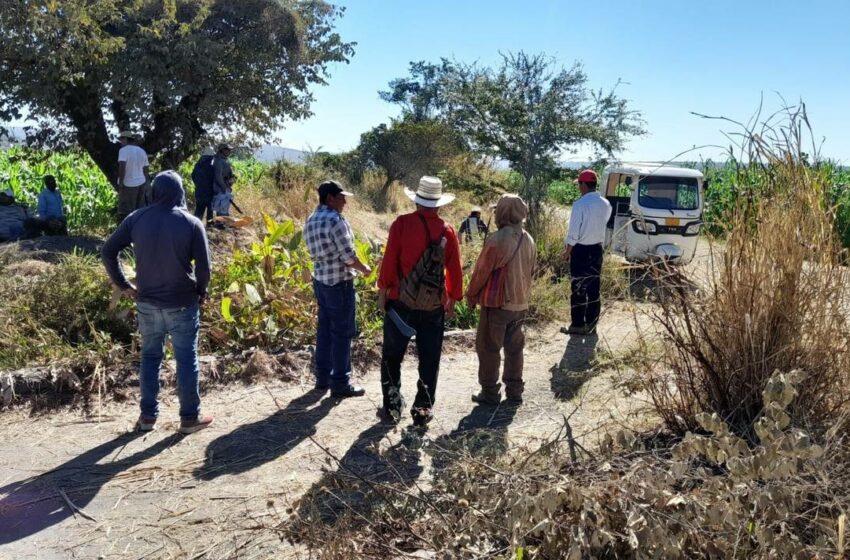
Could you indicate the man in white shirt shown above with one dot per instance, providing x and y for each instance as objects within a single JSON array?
[
  {"x": 133, "y": 175},
  {"x": 583, "y": 248}
]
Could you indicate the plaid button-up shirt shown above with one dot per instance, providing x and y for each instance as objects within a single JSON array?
[{"x": 331, "y": 244}]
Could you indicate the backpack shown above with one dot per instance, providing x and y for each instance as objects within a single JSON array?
[
  {"x": 423, "y": 288},
  {"x": 203, "y": 175}
]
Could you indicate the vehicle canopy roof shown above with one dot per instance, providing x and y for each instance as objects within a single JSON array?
[{"x": 650, "y": 168}]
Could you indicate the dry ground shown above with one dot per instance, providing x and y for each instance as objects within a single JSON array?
[
  {"x": 74, "y": 487},
  {"x": 221, "y": 492}
]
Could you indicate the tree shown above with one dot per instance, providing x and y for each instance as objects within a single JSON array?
[
  {"x": 406, "y": 149},
  {"x": 529, "y": 112},
  {"x": 175, "y": 70}
]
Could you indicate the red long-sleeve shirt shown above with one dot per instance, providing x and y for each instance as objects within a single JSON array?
[{"x": 405, "y": 246}]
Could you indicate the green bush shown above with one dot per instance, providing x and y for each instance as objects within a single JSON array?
[
  {"x": 73, "y": 299},
  {"x": 563, "y": 192}
]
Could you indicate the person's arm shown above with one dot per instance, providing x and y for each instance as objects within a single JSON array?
[
  {"x": 122, "y": 170},
  {"x": 484, "y": 267},
  {"x": 41, "y": 209},
  {"x": 454, "y": 271},
  {"x": 574, "y": 232},
  {"x": 388, "y": 274},
  {"x": 344, "y": 241},
  {"x": 116, "y": 243},
  {"x": 201, "y": 256}
]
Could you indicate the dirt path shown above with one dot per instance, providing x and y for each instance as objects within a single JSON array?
[{"x": 222, "y": 492}]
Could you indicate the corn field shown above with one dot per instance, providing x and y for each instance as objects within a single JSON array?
[{"x": 89, "y": 197}]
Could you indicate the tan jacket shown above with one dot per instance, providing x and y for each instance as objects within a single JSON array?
[{"x": 498, "y": 250}]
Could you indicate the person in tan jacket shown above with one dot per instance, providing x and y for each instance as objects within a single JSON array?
[{"x": 501, "y": 285}]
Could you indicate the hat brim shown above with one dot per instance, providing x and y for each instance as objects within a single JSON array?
[
  {"x": 346, "y": 193},
  {"x": 429, "y": 202}
]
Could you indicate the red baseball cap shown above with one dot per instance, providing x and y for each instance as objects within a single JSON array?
[{"x": 587, "y": 176}]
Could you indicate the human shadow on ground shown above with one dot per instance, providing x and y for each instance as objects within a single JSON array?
[
  {"x": 481, "y": 434},
  {"x": 252, "y": 445},
  {"x": 359, "y": 482},
  {"x": 35, "y": 504},
  {"x": 575, "y": 367}
]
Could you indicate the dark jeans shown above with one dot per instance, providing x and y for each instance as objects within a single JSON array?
[
  {"x": 337, "y": 327},
  {"x": 429, "y": 326},
  {"x": 34, "y": 227},
  {"x": 204, "y": 205},
  {"x": 182, "y": 324},
  {"x": 585, "y": 268}
]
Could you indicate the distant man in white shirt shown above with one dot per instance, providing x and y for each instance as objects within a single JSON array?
[
  {"x": 133, "y": 175},
  {"x": 583, "y": 248}
]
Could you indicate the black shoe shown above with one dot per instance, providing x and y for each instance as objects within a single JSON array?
[
  {"x": 514, "y": 401},
  {"x": 318, "y": 387},
  {"x": 421, "y": 416},
  {"x": 484, "y": 398},
  {"x": 576, "y": 329},
  {"x": 350, "y": 391}
]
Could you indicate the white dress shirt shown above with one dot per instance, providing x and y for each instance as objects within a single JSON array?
[{"x": 588, "y": 220}]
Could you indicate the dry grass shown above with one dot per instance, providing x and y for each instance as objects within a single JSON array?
[{"x": 776, "y": 301}]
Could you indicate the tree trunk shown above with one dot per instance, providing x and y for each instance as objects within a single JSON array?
[{"x": 83, "y": 108}]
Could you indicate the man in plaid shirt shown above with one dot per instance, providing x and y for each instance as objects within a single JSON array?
[{"x": 331, "y": 244}]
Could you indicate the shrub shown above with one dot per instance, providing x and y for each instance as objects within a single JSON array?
[
  {"x": 776, "y": 302},
  {"x": 563, "y": 192},
  {"x": 65, "y": 309}
]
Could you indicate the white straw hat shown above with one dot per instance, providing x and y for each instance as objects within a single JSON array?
[{"x": 429, "y": 193}]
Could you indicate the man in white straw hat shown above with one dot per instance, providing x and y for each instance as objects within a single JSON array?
[
  {"x": 133, "y": 175},
  {"x": 420, "y": 281}
]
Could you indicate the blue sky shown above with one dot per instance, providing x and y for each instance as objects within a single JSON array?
[{"x": 713, "y": 57}]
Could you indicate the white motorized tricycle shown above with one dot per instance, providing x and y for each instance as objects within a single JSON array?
[{"x": 656, "y": 211}]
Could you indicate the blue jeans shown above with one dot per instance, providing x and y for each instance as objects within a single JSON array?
[
  {"x": 182, "y": 324},
  {"x": 337, "y": 327}
]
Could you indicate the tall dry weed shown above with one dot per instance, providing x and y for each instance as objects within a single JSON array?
[{"x": 775, "y": 299}]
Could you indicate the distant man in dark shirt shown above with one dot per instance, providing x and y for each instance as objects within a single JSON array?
[
  {"x": 473, "y": 227},
  {"x": 169, "y": 292}
]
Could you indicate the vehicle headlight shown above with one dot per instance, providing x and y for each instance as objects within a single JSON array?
[
  {"x": 644, "y": 227},
  {"x": 692, "y": 229}
]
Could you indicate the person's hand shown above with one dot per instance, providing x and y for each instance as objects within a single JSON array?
[
  {"x": 202, "y": 303},
  {"x": 470, "y": 301},
  {"x": 568, "y": 250},
  {"x": 449, "y": 308},
  {"x": 130, "y": 293},
  {"x": 366, "y": 270},
  {"x": 382, "y": 301}
]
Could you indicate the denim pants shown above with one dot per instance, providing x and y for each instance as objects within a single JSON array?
[
  {"x": 429, "y": 327},
  {"x": 585, "y": 269},
  {"x": 337, "y": 327},
  {"x": 182, "y": 324}
]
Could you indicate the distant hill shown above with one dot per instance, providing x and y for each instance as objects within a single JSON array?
[{"x": 270, "y": 154}]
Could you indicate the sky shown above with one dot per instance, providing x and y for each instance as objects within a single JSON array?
[{"x": 715, "y": 57}]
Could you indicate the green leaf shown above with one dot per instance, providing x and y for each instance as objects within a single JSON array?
[
  {"x": 225, "y": 309},
  {"x": 295, "y": 241},
  {"x": 253, "y": 294}
]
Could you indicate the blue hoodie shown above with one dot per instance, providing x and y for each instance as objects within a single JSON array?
[{"x": 166, "y": 239}]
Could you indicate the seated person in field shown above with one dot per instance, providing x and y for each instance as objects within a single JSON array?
[
  {"x": 13, "y": 217},
  {"x": 51, "y": 219}
]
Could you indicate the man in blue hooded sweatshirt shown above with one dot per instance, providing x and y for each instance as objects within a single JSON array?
[{"x": 169, "y": 292}]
